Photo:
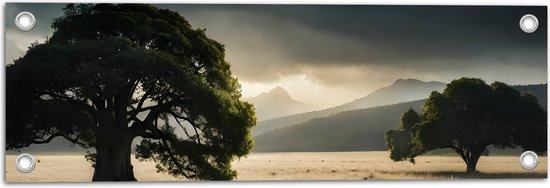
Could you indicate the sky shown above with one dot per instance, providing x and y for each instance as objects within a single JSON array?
[{"x": 328, "y": 55}]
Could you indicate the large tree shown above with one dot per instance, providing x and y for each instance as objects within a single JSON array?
[
  {"x": 111, "y": 73},
  {"x": 469, "y": 116}
]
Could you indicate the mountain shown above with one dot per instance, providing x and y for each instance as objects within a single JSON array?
[
  {"x": 277, "y": 103},
  {"x": 402, "y": 90},
  {"x": 537, "y": 90},
  {"x": 355, "y": 130}
]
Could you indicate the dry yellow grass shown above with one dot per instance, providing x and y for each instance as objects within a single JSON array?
[{"x": 297, "y": 166}]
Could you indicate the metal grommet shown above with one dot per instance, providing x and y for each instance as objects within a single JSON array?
[
  {"x": 25, "y": 163},
  {"x": 529, "y": 23},
  {"x": 528, "y": 160},
  {"x": 25, "y": 21}
]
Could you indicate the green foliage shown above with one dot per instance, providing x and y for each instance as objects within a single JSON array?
[
  {"x": 470, "y": 115},
  {"x": 399, "y": 141},
  {"x": 107, "y": 65},
  {"x": 399, "y": 145},
  {"x": 408, "y": 119}
]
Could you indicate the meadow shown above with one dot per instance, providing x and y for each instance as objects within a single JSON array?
[{"x": 297, "y": 166}]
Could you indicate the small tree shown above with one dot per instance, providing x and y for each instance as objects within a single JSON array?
[
  {"x": 470, "y": 115},
  {"x": 111, "y": 73},
  {"x": 399, "y": 141}
]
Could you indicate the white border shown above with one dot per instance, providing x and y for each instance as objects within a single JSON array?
[
  {"x": 353, "y": 2},
  {"x": 501, "y": 183}
]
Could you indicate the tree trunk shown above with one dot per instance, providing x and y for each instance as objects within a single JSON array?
[
  {"x": 113, "y": 157},
  {"x": 472, "y": 163},
  {"x": 470, "y": 168}
]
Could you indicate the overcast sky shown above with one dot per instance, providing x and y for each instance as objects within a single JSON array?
[{"x": 328, "y": 55}]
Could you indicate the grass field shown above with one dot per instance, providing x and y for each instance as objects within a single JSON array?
[{"x": 297, "y": 166}]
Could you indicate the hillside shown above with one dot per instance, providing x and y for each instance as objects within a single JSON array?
[
  {"x": 277, "y": 103},
  {"x": 356, "y": 130},
  {"x": 537, "y": 90},
  {"x": 402, "y": 90}
]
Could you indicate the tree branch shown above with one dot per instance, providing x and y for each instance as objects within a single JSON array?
[
  {"x": 53, "y": 94},
  {"x": 458, "y": 150},
  {"x": 74, "y": 140},
  {"x": 136, "y": 111},
  {"x": 176, "y": 116},
  {"x": 139, "y": 129},
  {"x": 156, "y": 110},
  {"x": 47, "y": 140},
  {"x": 173, "y": 158},
  {"x": 134, "y": 86}
]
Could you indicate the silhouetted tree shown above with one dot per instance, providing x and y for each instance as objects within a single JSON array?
[
  {"x": 469, "y": 116},
  {"x": 111, "y": 73},
  {"x": 399, "y": 141}
]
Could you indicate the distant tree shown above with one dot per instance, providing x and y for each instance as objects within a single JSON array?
[
  {"x": 111, "y": 73},
  {"x": 399, "y": 141},
  {"x": 469, "y": 116}
]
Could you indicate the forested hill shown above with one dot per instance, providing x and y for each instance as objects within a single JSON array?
[
  {"x": 355, "y": 130},
  {"x": 537, "y": 90},
  {"x": 402, "y": 90}
]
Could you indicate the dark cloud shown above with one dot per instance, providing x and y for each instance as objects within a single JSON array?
[
  {"x": 439, "y": 41},
  {"x": 429, "y": 38},
  {"x": 17, "y": 41},
  {"x": 414, "y": 31},
  {"x": 43, "y": 12}
]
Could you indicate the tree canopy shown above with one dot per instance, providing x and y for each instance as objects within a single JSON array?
[
  {"x": 399, "y": 141},
  {"x": 469, "y": 116},
  {"x": 111, "y": 73}
]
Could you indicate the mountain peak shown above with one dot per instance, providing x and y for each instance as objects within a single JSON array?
[
  {"x": 405, "y": 81},
  {"x": 279, "y": 91},
  {"x": 402, "y": 90},
  {"x": 275, "y": 103}
]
